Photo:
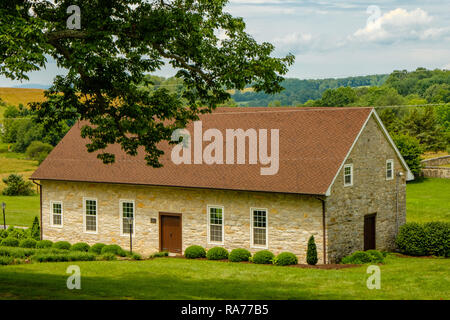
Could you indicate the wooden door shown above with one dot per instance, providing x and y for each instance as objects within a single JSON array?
[
  {"x": 170, "y": 232},
  {"x": 369, "y": 232}
]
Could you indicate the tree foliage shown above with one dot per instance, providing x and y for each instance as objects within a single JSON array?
[
  {"x": 411, "y": 151},
  {"x": 16, "y": 186},
  {"x": 119, "y": 42}
]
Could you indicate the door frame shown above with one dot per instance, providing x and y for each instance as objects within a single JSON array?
[
  {"x": 370, "y": 216},
  {"x": 161, "y": 213}
]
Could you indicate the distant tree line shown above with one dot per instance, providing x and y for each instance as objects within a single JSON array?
[
  {"x": 24, "y": 135},
  {"x": 297, "y": 91}
]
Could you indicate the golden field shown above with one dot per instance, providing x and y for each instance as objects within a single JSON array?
[{"x": 15, "y": 96}]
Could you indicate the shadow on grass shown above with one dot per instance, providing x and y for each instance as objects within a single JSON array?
[{"x": 23, "y": 283}]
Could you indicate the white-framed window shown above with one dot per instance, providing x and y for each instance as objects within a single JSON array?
[
  {"x": 215, "y": 224},
  {"x": 90, "y": 215},
  {"x": 389, "y": 169},
  {"x": 348, "y": 175},
  {"x": 56, "y": 214},
  {"x": 258, "y": 228},
  {"x": 127, "y": 210}
]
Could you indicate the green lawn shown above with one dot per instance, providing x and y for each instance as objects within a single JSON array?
[
  {"x": 172, "y": 278},
  {"x": 428, "y": 200},
  {"x": 20, "y": 211}
]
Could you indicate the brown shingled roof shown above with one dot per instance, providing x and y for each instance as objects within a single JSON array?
[{"x": 313, "y": 144}]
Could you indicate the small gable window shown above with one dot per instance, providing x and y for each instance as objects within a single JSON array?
[
  {"x": 389, "y": 169},
  {"x": 348, "y": 175}
]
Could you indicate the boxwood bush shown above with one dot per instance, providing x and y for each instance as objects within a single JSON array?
[
  {"x": 411, "y": 239},
  {"x": 97, "y": 248},
  {"x": 239, "y": 255},
  {"x": 285, "y": 259},
  {"x": 20, "y": 253},
  {"x": 60, "y": 257},
  {"x": 217, "y": 253},
  {"x": 263, "y": 257},
  {"x": 431, "y": 238},
  {"x": 108, "y": 256},
  {"x": 160, "y": 254},
  {"x": 437, "y": 240},
  {"x": 44, "y": 244},
  {"x": 10, "y": 242},
  {"x": 363, "y": 257},
  {"x": 63, "y": 245},
  {"x": 80, "y": 246},
  {"x": 27, "y": 243},
  {"x": 114, "y": 248},
  {"x": 5, "y": 260},
  {"x": 195, "y": 252}
]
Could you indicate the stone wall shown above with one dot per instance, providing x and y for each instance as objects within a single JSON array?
[
  {"x": 370, "y": 193},
  {"x": 291, "y": 218},
  {"x": 436, "y": 172}
]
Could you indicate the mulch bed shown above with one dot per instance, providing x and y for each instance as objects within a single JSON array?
[{"x": 304, "y": 266}]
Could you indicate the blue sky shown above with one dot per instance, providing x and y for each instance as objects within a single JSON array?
[{"x": 339, "y": 38}]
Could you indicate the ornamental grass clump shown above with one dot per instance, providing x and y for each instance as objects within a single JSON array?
[
  {"x": 114, "y": 248},
  {"x": 97, "y": 248},
  {"x": 27, "y": 243}
]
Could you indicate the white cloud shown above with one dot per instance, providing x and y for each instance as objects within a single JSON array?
[{"x": 397, "y": 25}]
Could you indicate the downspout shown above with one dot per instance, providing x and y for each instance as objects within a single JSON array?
[
  {"x": 398, "y": 176},
  {"x": 40, "y": 205},
  {"x": 324, "y": 232}
]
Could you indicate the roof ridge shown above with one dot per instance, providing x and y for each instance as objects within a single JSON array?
[{"x": 290, "y": 110}]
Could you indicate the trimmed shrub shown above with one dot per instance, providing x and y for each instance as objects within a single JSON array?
[
  {"x": 136, "y": 256},
  {"x": 362, "y": 257},
  {"x": 108, "y": 256},
  {"x": 60, "y": 257},
  {"x": 27, "y": 243},
  {"x": 376, "y": 256},
  {"x": 5, "y": 260},
  {"x": 217, "y": 253},
  {"x": 21, "y": 253},
  {"x": 44, "y": 244},
  {"x": 263, "y": 257},
  {"x": 437, "y": 239},
  {"x": 18, "y": 233},
  {"x": 114, "y": 248},
  {"x": 311, "y": 252},
  {"x": 285, "y": 259},
  {"x": 63, "y": 245},
  {"x": 36, "y": 229},
  {"x": 3, "y": 234},
  {"x": 10, "y": 242},
  {"x": 411, "y": 239},
  {"x": 80, "y": 246},
  {"x": 194, "y": 252},
  {"x": 160, "y": 254},
  {"x": 239, "y": 255},
  {"x": 97, "y": 248}
]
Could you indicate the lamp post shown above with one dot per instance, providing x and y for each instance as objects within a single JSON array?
[
  {"x": 4, "y": 219},
  {"x": 130, "y": 227}
]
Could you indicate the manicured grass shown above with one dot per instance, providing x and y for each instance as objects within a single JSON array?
[
  {"x": 20, "y": 211},
  {"x": 428, "y": 200},
  {"x": 172, "y": 278}
]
